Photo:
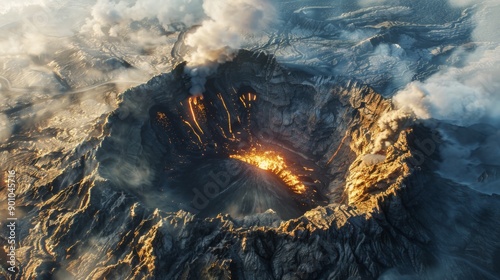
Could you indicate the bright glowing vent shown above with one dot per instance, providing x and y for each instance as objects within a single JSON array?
[{"x": 272, "y": 161}]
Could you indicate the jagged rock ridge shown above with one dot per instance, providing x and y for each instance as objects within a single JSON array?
[{"x": 107, "y": 215}]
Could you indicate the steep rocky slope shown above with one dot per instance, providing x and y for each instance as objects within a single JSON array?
[{"x": 120, "y": 205}]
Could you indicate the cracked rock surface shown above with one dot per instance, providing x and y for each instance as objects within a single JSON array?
[{"x": 112, "y": 205}]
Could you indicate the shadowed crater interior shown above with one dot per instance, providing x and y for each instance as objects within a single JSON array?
[{"x": 260, "y": 137}]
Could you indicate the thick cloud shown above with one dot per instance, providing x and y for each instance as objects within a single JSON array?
[
  {"x": 113, "y": 18},
  {"x": 467, "y": 93},
  {"x": 221, "y": 27},
  {"x": 220, "y": 36}
]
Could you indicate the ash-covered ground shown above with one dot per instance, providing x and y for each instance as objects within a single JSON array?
[{"x": 146, "y": 139}]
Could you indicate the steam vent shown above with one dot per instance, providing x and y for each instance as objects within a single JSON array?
[{"x": 270, "y": 173}]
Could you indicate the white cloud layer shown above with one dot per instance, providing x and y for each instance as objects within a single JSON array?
[
  {"x": 468, "y": 94},
  {"x": 222, "y": 34}
]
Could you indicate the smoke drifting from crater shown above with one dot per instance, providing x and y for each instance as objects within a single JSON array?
[
  {"x": 113, "y": 18},
  {"x": 390, "y": 123},
  {"x": 222, "y": 34},
  {"x": 221, "y": 27},
  {"x": 466, "y": 93}
]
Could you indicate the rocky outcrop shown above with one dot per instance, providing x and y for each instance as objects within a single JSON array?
[{"x": 121, "y": 206}]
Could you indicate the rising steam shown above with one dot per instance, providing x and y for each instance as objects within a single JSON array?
[
  {"x": 113, "y": 18},
  {"x": 222, "y": 28},
  {"x": 464, "y": 94},
  {"x": 222, "y": 34}
]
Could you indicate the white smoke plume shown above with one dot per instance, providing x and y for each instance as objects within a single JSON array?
[
  {"x": 390, "y": 123},
  {"x": 221, "y": 27},
  {"x": 222, "y": 34},
  {"x": 114, "y": 18},
  {"x": 464, "y": 94},
  {"x": 461, "y": 96}
]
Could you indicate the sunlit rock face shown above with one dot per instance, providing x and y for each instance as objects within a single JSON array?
[
  {"x": 174, "y": 186},
  {"x": 243, "y": 147}
]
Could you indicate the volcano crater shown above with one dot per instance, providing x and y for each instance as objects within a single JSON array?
[{"x": 261, "y": 137}]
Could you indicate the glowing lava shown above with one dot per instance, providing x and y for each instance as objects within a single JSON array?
[
  {"x": 248, "y": 98},
  {"x": 271, "y": 161},
  {"x": 228, "y": 114},
  {"x": 194, "y": 101}
]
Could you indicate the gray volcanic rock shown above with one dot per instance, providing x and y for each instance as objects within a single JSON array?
[{"x": 122, "y": 206}]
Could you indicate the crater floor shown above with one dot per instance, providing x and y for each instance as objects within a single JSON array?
[{"x": 268, "y": 176}]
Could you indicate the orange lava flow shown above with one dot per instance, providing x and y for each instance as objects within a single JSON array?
[
  {"x": 194, "y": 131},
  {"x": 228, "y": 114},
  {"x": 272, "y": 161},
  {"x": 250, "y": 97},
  {"x": 191, "y": 101},
  {"x": 338, "y": 149}
]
